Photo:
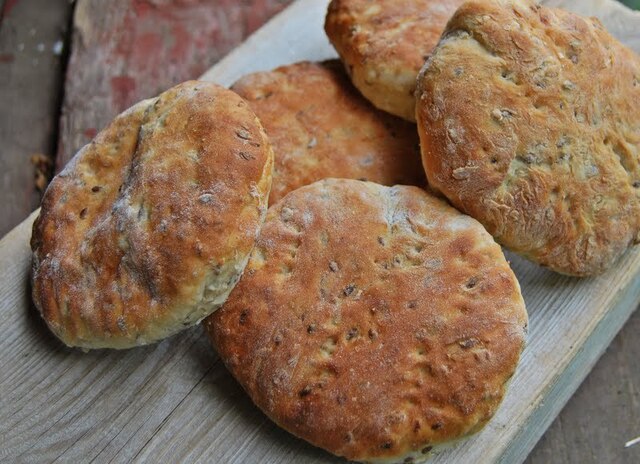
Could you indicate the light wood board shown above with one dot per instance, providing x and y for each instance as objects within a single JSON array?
[{"x": 175, "y": 402}]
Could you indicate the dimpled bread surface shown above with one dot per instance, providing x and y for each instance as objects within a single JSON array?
[
  {"x": 149, "y": 227},
  {"x": 320, "y": 126},
  {"x": 529, "y": 122},
  {"x": 383, "y": 45},
  {"x": 374, "y": 322}
]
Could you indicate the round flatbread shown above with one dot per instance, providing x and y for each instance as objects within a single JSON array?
[
  {"x": 384, "y": 44},
  {"x": 529, "y": 122},
  {"x": 320, "y": 126},
  {"x": 374, "y": 322},
  {"x": 149, "y": 227}
]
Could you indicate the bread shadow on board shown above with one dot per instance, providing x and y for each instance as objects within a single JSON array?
[{"x": 36, "y": 324}]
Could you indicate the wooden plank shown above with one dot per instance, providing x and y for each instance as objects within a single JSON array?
[
  {"x": 32, "y": 33},
  {"x": 604, "y": 414},
  {"x": 127, "y": 50},
  {"x": 175, "y": 401}
]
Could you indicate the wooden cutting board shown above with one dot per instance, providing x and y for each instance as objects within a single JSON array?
[{"x": 175, "y": 401}]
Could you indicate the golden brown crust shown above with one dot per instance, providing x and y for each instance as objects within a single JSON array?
[
  {"x": 384, "y": 44},
  {"x": 529, "y": 121},
  {"x": 150, "y": 225},
  {"x": 373, "y": 321},
  {"x": 320, "y": 126}
]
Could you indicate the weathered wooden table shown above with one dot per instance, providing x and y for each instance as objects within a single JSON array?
[{"x": 105, "y": 74}]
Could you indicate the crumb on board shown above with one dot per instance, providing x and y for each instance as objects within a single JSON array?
[
  {"x": 633, "y": 442},
  {"x": 43, "y": 168}
]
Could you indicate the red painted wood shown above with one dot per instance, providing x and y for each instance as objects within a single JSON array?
[{"x": 127, "y": 50}]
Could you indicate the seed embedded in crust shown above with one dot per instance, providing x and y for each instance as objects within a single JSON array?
[
  {"x": 243, "y": 317},
  {"x": 243, "y": 134},
  {"x": 468, "y": 343},
  {"x": 348, "y": 290}
]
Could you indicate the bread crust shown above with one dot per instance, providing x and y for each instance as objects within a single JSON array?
[
  {"x": 374, "y": 322},
  {"x": 529, "y": 122},
  {"x": 149, "y": 226},
  {"x": 320, "y": 126},
  {"x": 384, "y": 44}
]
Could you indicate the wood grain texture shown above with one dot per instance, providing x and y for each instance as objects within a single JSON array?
[
  {"x": 126, "y": 50},
  {"x": 175, "y": 401},
  {"x": 604, "y": 413},
  {"x": 31, "y": 39}
]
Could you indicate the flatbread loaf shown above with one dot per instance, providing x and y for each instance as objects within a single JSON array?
[
  {"x": 320, "y": 126},
  {"x": 529, "y": 122},
  {"x": 149, "y": 227},
  {"x": 374, "y": 322},
  {"x": 383, "y": 45}
]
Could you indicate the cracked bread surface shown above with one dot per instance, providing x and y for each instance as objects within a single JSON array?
[
  {"x": 149, "y": 226},
  {"x": 320, "y": 126},
  {"x": 529, "y": 122},
  {"x": 374, "y": 322},
  {"x": 384, "y": 44}
]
